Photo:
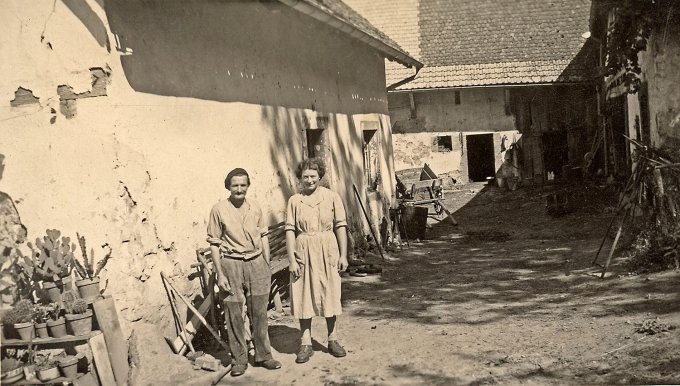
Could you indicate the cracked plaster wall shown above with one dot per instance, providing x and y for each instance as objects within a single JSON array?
[{"x": 139, "y": 170}]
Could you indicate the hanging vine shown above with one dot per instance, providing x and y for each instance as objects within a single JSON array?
[{"x": 629, "y": 34}]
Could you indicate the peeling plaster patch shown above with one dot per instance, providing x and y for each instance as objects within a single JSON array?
[
  {"x": 67, "y": 97},
  {"x": 24, "y": 97},
  {"x": 68, "y": 107}
]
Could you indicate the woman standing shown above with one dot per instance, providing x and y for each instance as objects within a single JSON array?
[{"x": 316, "y": 242}]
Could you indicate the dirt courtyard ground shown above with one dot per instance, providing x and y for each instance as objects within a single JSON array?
[{"x": 507, "y": 297}]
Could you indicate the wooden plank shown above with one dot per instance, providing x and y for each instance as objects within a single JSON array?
[
  {"x": 46, "y": 341},
  {"x": 279, "y": 265},
  {"x": 192, "y": 325},
  {"x": 107, "y": 317},
  {"x": 275, "y": 228},
  {"x": 100, "y": 353}
]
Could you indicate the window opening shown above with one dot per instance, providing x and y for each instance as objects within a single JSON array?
[{"x": 444, "y": 144}]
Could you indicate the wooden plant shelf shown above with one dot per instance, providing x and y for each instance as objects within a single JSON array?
[
  {"x": 55, "y": 381},
  {"x": 65, "y": 339}
]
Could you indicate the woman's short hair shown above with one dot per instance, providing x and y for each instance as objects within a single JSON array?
[
  {"x": 234, "y": 173},
  {"x": 311, "y": 164}
]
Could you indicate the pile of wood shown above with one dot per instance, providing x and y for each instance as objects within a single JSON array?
[{"x": 650, "y": 201}]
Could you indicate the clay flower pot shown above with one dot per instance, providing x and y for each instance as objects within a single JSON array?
[
  {"x": 49, "y": 374},
  {"x": 88, "y": 288},
  {"x": 26, "y": 330},
  {"x": 80, "y": 324},
  {"x": 53, "y": 291},
  {"x": 41, "y": 330},
  {"x": 29, "y": 372},
  {"x": 57, "y": 328},
  {"x": 69, "y": 366}
]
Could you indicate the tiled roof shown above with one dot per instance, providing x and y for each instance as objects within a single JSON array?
[
  {"x": 486, "y": 42},
  {"x": 340, "y": 11}
]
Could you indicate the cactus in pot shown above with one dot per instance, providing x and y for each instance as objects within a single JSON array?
[
  {"x": 41, "y": 316},
  {"x": 88, "y": 285},
  {"x": 56, "y": 324},
  {"x": 78, "y": 314},
  {"x": 21, "y": 317},
  {"x": 52, "y": 262}
]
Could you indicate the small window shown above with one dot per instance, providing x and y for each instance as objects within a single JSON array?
[
  {"x": 444, "y": 144},
  {"x": 315, "y": 143},
  {"x": 371, "y": 149},
  {"x": 456, "y": 96}
]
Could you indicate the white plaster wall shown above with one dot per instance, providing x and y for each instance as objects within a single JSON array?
[
  {"x": 140, "y": 168},
  {"x": 480, "y": 109}
]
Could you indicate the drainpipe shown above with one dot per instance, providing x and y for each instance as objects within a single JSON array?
[
  {"x": 394, "y": 86},
  {"x": 321, "y": 14}
]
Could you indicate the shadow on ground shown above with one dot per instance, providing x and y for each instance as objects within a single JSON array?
[{"x": 544, "y": 267}]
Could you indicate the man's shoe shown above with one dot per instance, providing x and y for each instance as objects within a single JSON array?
[
  {"x": 237, "y": 370},
  {"x": 269, "y": 364},
  {"x": 304, "y": 354},
  {"x": 335, "y": 349}
]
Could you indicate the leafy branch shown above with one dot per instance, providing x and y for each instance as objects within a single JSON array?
[{"x": 629, "y": 34}]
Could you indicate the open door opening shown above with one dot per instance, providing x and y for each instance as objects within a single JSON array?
[
  {"x": 555, "y": 152},
  {"x": 480, "y": 154}
]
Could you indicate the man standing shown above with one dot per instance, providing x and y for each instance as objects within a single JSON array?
[{"x": 240, "y": 253}]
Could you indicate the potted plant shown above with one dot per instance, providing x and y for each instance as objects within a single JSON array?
[
  {"x": 41, "y": 315},
  {"x": 78, "y": 315},
  {"x": 21, "y": 317},
  {"x": 69, "y": 366},
  {"x": 12, "y": 370},
  {"x": 52, "y": 262},
  {"x": 46, "y": 367},
  {"x": 56, "y": 324},
  {"x": 88, "y": 285}
]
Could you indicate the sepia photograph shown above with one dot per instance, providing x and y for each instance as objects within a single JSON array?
[{"x": 339, "y": 192}]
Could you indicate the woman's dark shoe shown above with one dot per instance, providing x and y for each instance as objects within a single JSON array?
[
  {"x": 304, "y": 354},
  {"x": 269, "y": 364},
  {"x": 237, "y": 370},
  {"x": 335, "y": 349}
]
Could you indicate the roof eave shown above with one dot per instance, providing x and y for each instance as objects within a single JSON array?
[
  {"x": 495, "y": 85},
  {"x": 392, "y": 53}
]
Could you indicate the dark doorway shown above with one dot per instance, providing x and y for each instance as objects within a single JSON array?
[
  {"x": 619, "y": 150},
  {"x": 481, "y": 162},
  {"x": 555, "y": 152}
]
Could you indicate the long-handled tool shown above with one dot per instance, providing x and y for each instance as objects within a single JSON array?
[
  {"x": 449, "y": 214},
  {"x": 370, "y": 226},
  {"x": 181, "y": 332}
]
